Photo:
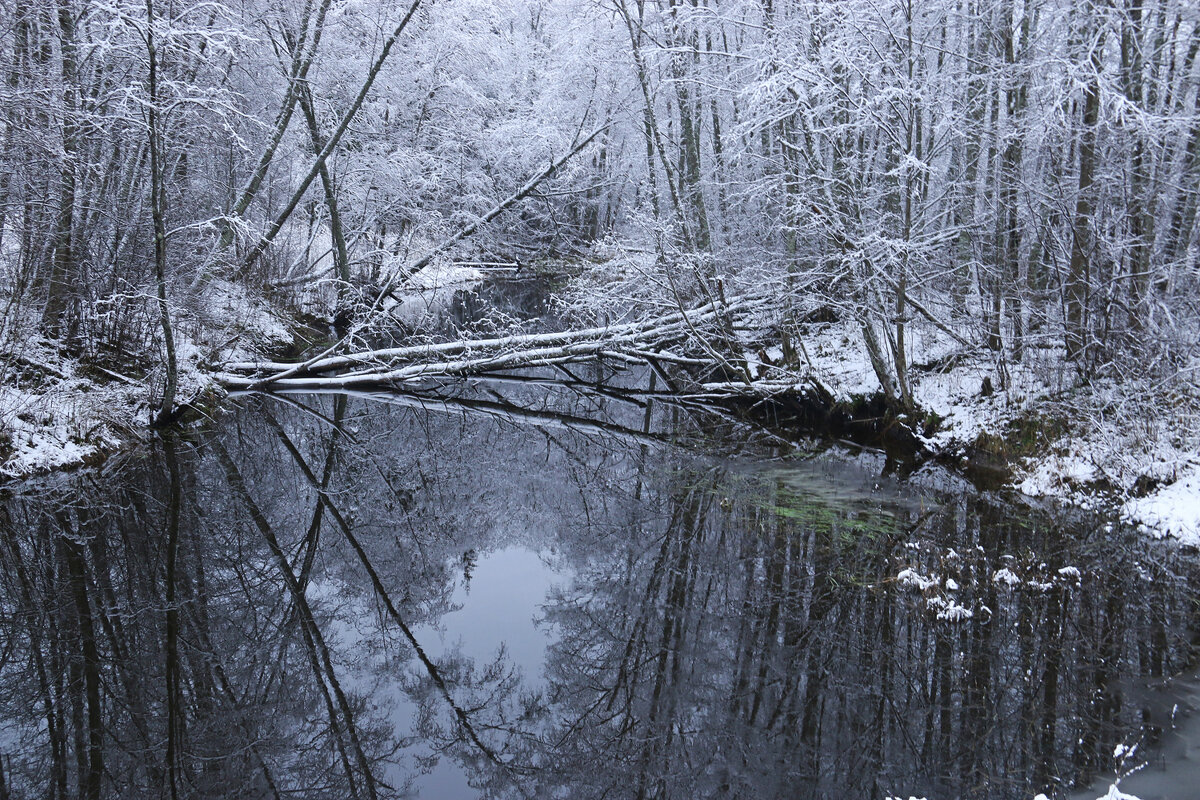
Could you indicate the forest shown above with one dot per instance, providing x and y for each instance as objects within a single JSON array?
[
  {"x": 957, "y": 209},
  {"x": 599, "y": 399}
]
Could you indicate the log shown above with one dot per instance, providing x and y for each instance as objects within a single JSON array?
[{"x": 652, "y": 342}]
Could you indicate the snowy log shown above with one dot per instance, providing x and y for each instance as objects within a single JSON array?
[{"x": 630, "y": 342}]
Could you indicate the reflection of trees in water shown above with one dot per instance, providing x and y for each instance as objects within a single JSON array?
[
  {"x": 759, "y": 646},
  {"x": 203, "y": 624},
  {"x": 239, "y": 616},
  {"x": 235, "y": 616},
  {"x": 154, "y": 648}
]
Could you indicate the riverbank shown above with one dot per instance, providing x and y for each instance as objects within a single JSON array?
[
  {"x": 1127, "y": 450},
  {"x": 62, "y": 407}
]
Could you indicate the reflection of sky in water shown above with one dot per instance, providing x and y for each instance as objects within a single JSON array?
[
  {"x": 741, "y": 545},
  {"x": 446, "y": 782},
  {"x": 507, "y": 590}
]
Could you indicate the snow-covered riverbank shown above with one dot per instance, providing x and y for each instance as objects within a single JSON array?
[
  {"x": 1130, "y": 449},
  {"x": 60, "y": 411},
  {"x": 1110, "y": 447}
]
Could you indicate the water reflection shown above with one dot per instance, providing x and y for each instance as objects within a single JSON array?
[{"x": 327, "y": 596}]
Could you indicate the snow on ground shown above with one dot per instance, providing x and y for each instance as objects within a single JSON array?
[
  {"x": 439, "y": 275},
  {"x": 1132, "y": 449},
  {"x": 1129, "y": 448},
  {"x": 53, "y": 415},
  {"x": 836, "y": 356},
  {"x": 1173, "y": 509},
  {"x": 1116, "y": 794},
  {"x": 959, "y": 398},
  {"x": 1059, "y": 473},
  {"x": 946, "y": 383},
  {"x": 57, "y": 411},
  {"x": 426, "y": 295},
  {"x": 226, "y": 308},
  {"x": 1113, "y": 793}
]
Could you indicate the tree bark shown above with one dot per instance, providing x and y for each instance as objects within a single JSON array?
[
  {"x": 341, "y": 259},
  {"x": 655, "y": 141},
  {"x": 63, "y": 267},
  {"x": 166, "y": 411},
  {"x": 297, "y": 76},
  {"x": 1138, "y": 211},
  {"x": 1078, "y": 284}
]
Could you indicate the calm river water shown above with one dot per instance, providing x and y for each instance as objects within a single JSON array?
[{"x": 517, "y": 590}]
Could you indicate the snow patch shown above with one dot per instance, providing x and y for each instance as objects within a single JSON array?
[
  {"x": 437, "y": 276},
  {"x": 1056, "y": 475},
  {"x": 224, "y": 307},
  {"x": 1006, "y": 577},
  {"x": 1171, "y": 510},
  {"x": 958, "y": 397},
  {"x": 60, "y": 412},
  {"x": 948, "y": 610},
  {"x": 911, "y": 579},
  {"x": 1116, "y": 794}
]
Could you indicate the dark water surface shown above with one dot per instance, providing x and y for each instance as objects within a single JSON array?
[{"x": 526, "y": 592}]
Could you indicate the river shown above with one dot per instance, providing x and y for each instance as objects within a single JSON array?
[{"x": 524, "y": 589}]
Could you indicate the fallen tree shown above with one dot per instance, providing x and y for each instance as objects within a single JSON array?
[
  {"x": 672, "y": 338},
  {"x": 695, "y": 358},
  {"x": 700, "y": 356}
]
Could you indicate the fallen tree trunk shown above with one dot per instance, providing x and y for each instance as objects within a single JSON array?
[
  {"x": 696, "y": 343},
  {"x": 640, "y": 342}
]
